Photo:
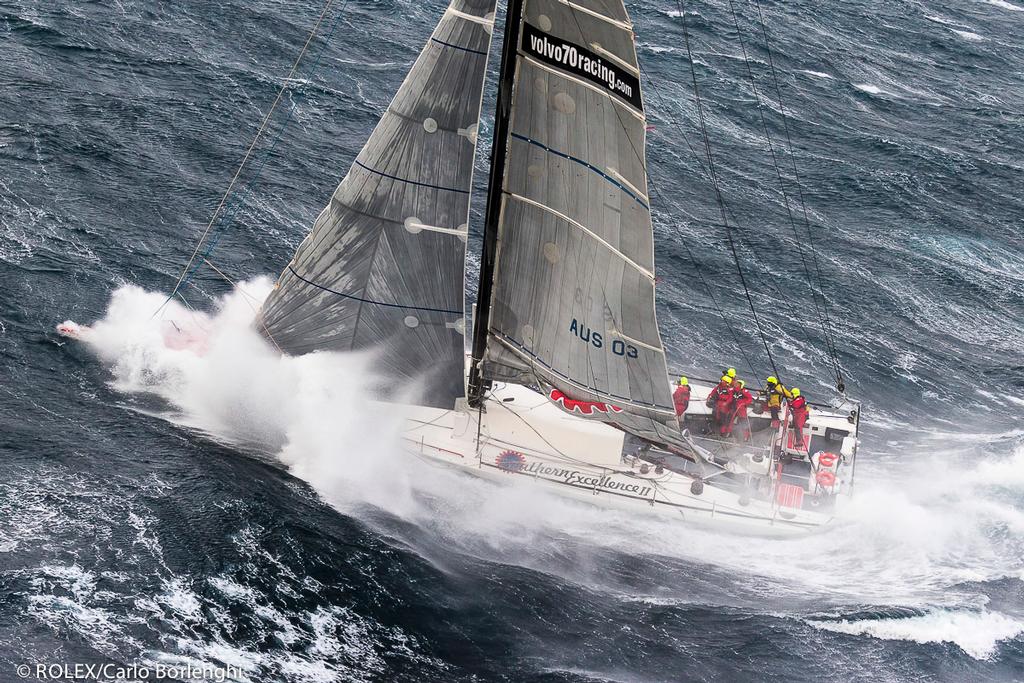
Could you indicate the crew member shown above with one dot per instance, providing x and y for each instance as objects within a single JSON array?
[
  {"x": 800, "y": 410},
  {"x": 724, "y": 384},
  {"x": 718, "y": 397},
  {"x": 681, "y": 396},
  {"x": 723, "y": 409},
  {"x": 774, "y": 393},
  {"x": 741, "y": 401}
]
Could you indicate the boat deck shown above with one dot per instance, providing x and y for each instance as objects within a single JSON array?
[
  {"x": 792, "y": 466},
  {"x": 825, "y": 430}
]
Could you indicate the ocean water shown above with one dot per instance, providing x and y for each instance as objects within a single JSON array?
[{"x": 240, "y": 509}]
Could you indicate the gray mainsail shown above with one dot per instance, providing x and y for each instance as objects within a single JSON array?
[
  {"x": 383, "y": 266},
  {"x": 571, "y": 296}
]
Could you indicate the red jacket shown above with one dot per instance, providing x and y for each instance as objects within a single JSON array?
[
  {"x": 799, "y": 407},
  {"x": 716, "y": 393},
  {"x": 681, "y": 397},
  {"x": 743, "y": 399},
  {"x": 724, "y": 399}
]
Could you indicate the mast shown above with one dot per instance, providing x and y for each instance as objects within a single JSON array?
[{"x": 499, "y": 150}]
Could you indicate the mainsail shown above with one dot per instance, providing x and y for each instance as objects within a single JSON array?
[
  {"x": 383, "y": 266},
  {"x": 567, "y": 292}
]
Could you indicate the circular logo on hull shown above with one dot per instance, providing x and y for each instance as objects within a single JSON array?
[{"x": 510, "y": 461}]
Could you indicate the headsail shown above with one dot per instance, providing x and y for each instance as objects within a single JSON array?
[
  {"x": 571, "y": 295},
  {"x": 383, "y": 266}
]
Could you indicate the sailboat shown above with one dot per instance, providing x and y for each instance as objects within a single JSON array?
[{"x": 558, "y": 378}]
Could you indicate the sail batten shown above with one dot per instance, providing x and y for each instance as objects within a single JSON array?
[
  {"x": 383, "y": 267},
  {"x": 585, "y": 230}
]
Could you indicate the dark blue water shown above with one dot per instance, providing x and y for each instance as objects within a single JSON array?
[{"x": 234, "y": 511}]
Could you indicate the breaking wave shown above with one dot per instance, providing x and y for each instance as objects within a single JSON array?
[
  {"x": 978, "y": 633},
  {"x": 1006, "y": 5},
  {"x": 314, "y": 413}
]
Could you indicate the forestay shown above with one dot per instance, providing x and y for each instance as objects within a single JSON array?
[
  {"x": 572, "y": 304},
  {"x": 383, "y": 265}
]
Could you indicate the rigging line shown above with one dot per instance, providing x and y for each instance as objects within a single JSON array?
[
  {"x": 749, "y": 244},
  {"x": 718, "y": 191},
  {"x": 193, "y": 312},
  {"x": 781, "y": 295},
  {"x": 238, "y": 202},
  {"x": 830, "y": 335},
  {"x": 711, "y": 295},
  {"x": 653, "y": 190},
  {"x": 775, "y": 163},
  {"x": 689, "y": 253},
  {"x": 250, "y": 299},
  {"x": 704, "y": 170},
  {"x": 827, "y": 324},
  {"x": 248, "y": 152},
  {"x": 787, "y": 302},
  {"x": 231, "y": 282}
]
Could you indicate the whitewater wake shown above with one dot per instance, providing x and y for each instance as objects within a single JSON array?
[
  {"x": 977, "y": 633},
  {"x": 922, "y": 535}
]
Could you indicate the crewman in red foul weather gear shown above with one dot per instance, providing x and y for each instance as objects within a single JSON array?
[
  {"x": 800, "y": 410},
  {"x": 721, "y": 394},
  {"x": 681, "y": 396},
  {"x": 742, "y": 399},
  {"x": 723, "y": 409},
  {"x": 725, "y": 384}
]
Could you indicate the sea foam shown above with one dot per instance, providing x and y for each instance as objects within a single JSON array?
[{"x": 978, "y": 633}]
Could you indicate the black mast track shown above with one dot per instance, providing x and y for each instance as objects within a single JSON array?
[{"x": 499, "y": 150}]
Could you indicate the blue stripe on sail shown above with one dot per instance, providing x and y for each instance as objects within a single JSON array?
[
  {"x": 371, "y": 301},
  {"x": 411, "y": 182},
  {"x": 581, "y": 162},
  {"x": 459, "y": 47}
]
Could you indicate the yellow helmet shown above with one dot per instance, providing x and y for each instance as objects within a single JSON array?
[
  {"x": 740, "y": 383},
  {"x": 727, "y": 379},
  {"x": 772, "y": 380},
  {"x": 683, "y": 381},
  {"x": 731, "y": 372},
  {"x": 795, "y": 392}
]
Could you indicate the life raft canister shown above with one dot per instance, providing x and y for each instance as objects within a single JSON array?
[{"x": 827, "y": 459}]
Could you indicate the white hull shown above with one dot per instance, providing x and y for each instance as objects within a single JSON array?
[{"x": 523, "y": 439}]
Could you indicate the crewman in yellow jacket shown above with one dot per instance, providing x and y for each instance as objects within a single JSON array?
[{"x": 774, "y": 392}]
